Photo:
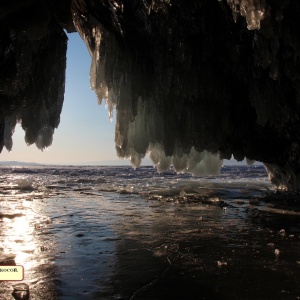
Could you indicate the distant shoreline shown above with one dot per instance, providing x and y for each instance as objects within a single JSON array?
[{"x": 121, "y": 163}]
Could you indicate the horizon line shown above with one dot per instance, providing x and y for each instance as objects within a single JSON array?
[{"x": 121, "y": 162}]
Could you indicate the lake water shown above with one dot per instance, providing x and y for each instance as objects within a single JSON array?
[{"x": 119, "y": 233}]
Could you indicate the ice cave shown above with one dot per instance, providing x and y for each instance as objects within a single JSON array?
[{"x": 192, "y": 82}]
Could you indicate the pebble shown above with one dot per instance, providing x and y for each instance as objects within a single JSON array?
[
  {"x": 282, "y": 232},
  {"x": 221, "y": 263},
  {"x": 21, "y": 291}
]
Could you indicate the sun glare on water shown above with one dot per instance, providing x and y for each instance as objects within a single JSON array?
[{"x": 19, "y": 238}]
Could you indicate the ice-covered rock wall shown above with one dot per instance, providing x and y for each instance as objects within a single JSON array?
[
  {"x": 148, "y": 86},
  {"x": 192, "y": 82},
  {"x": 32, "y": 76}
]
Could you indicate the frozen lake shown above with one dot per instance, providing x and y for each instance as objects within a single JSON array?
[{"x": 116, "y": 233}]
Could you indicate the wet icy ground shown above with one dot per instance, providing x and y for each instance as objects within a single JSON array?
[{"x": 116, "y": 233}]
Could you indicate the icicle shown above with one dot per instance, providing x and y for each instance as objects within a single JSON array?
[{"x": 252, "y": 10}]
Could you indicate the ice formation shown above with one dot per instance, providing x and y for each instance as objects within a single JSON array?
[
  {"x": 192, "y": 82},
  {"x": 33, "y": 61},
  {"x": 252, "y": 10},
  {"x": 171, "y": 100},
  {"x": 141, "y": 129}
]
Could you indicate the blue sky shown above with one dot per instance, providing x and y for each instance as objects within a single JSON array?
[{"x": 85, "y": 133}]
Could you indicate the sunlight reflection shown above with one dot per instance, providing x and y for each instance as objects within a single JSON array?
[{"x": 18, "y": 237}]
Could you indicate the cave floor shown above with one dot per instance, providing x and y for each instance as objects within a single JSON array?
[{"x": 82, "y": 245}]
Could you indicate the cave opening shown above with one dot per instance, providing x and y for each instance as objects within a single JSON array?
[{"x": 188, "y": 91}]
